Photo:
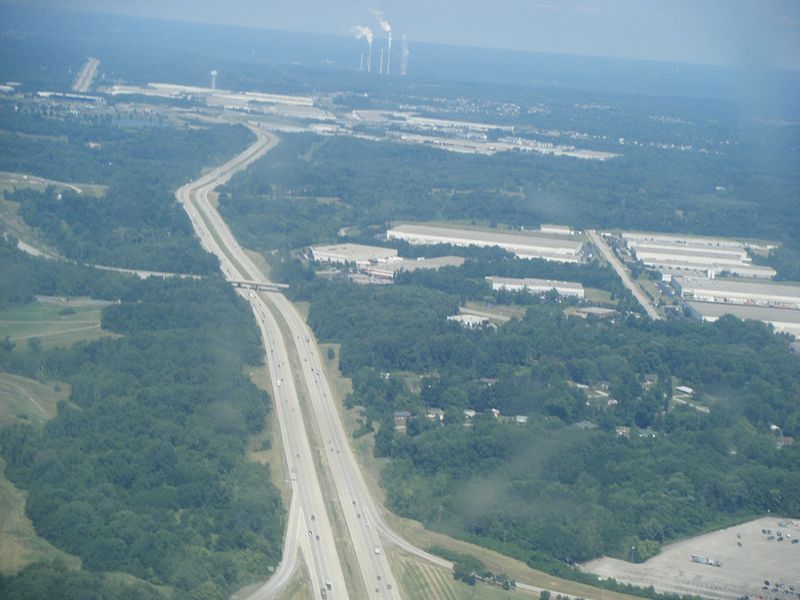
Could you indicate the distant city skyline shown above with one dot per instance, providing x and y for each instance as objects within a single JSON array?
[{"x": 750, "y": 33}]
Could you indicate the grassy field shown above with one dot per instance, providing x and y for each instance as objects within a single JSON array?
[
  {"x": 496, "y": 312},
  {"x": 53, "y": 324},
  {"x": 24, "y": 400},
  {"x": 596, "y": 295},
  {"x": 422, "y": 581},
  {"x": 10, "y": 181}
]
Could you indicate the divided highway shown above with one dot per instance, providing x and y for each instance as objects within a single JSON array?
[{"x": 309, "y": 527}]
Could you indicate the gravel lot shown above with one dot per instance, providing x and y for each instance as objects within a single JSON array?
[{"x": 743, "y": 568}]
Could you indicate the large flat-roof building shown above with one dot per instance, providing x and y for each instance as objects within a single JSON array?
[
  {"x": 784, "y": 320},
  {"x": 691, "y": 240},
  {"x": 522, "y": 243},
  {"x": 732, "y": 291},
  {"x": 537, "y": 286},
  {"x": 712, "y": 256},
  {"x": 388, "y": 270},
  {"x": 352, "y": 253}
]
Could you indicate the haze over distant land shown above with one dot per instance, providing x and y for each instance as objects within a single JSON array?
[{"x": 757, "y": 34}]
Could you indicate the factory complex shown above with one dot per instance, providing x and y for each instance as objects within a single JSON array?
[
  {"x": 537, "y": 286},
  {"x": 359, "y": 254},
  {"x": 671, "y": 254},
  {"x": 782, "y": 319},
  {"x": 733, "y": 291},
  {"x": 521, "y": 243}
]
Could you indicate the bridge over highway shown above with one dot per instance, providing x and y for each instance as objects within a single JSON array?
[{"x": 259, "y": 286}]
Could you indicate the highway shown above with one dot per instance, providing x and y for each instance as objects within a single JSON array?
[
  {"x": 309, "y": 530},
  {"x": 609, "y": 255},
  {"x": 308, "y": 513},
  {"x": 85, "y": 78},
  {"x": 309, "y": 527}
]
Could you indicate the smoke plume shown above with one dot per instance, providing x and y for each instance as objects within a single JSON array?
[
  {"x": 404, "y": 54},
  {"x": 365, "y": 33},
  {"x": 387, "y": 29}
]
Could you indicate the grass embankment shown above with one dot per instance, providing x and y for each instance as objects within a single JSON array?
[{"x": 24, "y": 400}]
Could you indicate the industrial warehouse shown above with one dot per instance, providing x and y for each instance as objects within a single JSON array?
[
  {"x": 709, "y": 256},
  {"x": 521, "y": 243},
  {"x": 537, "y": 286},
  {"x": 784, "y": 320},
  {"x": 387, "y": 270},
  {"x": 732, "y": 291},
  {"x": 353, "y": 253}
]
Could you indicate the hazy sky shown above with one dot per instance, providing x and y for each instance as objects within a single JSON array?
[{"x": 744, "y": 32}]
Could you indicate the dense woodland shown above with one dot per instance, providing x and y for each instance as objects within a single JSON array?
[
  {"x": 308, "y": 188},
  {"x": 143, "y": 471},
  {"x": 137, "y": 223},
  {"x": 560, "y": 489},
  {"x": 584, "y": 477}
]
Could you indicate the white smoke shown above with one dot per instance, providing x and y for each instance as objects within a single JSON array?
[
  {"x": 365, "y": 33},
  {"x": 404, "y": 54},
  {"x": 387, "y": 29}
]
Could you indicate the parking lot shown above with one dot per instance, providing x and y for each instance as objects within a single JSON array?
[{"x": 747, "y": 558}]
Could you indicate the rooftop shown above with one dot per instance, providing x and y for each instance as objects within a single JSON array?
[
  {"x": 491, "y": 236},
  {"x": 742, "y": 311},
  {"x": 535, "y": 283},
  {"x": 776, "y": 290}
]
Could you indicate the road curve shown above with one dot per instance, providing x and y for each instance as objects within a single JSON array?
[
  {"x": 309, "y": 528},
  {"x": 369, "y": 532}
]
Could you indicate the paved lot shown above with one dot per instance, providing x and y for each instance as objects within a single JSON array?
[{"x": 743, "y": 568}]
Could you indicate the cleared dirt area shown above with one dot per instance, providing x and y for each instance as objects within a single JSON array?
[{"x": 743, "y": 569}]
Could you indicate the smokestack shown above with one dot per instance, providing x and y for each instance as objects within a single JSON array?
[
  {"x": 404, "y": 53},
  {"x": 361, "y": 64},
  {"x": 213, "y": 80},
  {"x": 364, "y": 33},
  {"x": 380, "y": 70},
  {"x": 387, "y": 29}
]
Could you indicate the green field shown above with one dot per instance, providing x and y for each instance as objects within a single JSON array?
[
  {"x": 53, "y": 324},
  {"x": 421, "y": 581},
  {"x": 28, "y": 401}
]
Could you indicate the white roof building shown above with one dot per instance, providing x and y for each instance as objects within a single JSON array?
[
  {"x": 733, "y": 291},
  {"x": 784, "y": 320},
  {"x": 352, "y": 253},
  {"x": 537, "y": 286},
  {"x": 521, "y": 243},
  {"x": 387, "y": 270},
  {"x": 469, "y": 321}
]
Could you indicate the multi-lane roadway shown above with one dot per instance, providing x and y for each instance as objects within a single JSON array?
[{"x": 303, "y": 401}]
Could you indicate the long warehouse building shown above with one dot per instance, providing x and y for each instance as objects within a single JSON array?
[
  {"x": 537, "y": 286},
  {"x": 522, "y": 244},
  {"x": 782, "y": 319},
  {"x": 731, "y": 291}
]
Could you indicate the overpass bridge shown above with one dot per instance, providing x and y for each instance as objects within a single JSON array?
[{"x": 259, "y": 286}]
